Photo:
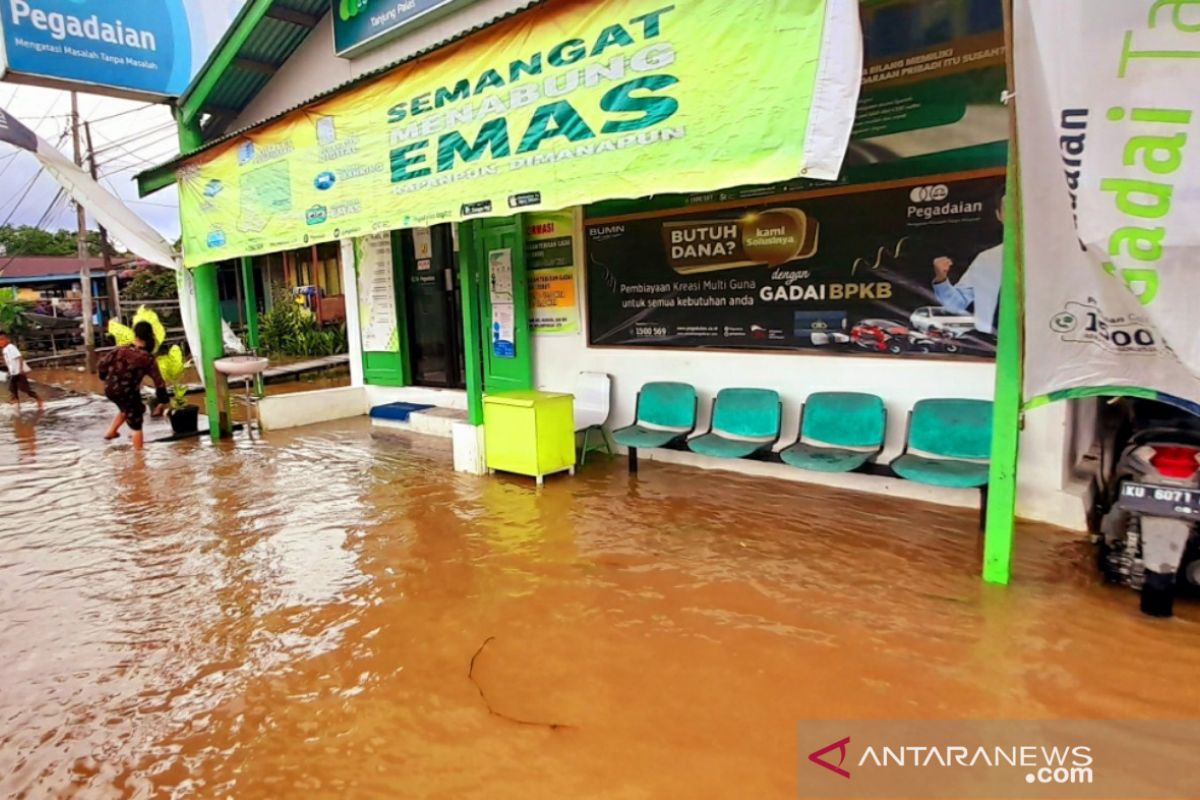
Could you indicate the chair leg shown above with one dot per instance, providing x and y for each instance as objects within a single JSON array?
[
  {"x": 983, "y": 507},
  {"x": 633, "y": 464},
  {"x": 587, "y": 435},
  {"x": 607, "y": 444}
]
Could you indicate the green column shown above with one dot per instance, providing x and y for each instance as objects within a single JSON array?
[
  {"x": 250, "y": 298},
  {"x": 469, "y": 264},
  {"x": 208, "y": 308},
  {"x": 1006, "y": 433},
  {"x": 212, "y": 347}
]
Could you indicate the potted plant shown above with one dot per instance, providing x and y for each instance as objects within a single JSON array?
[{"x": 184, "y": 416}]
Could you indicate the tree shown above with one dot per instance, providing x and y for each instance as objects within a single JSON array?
[
  {"x": 26, "y": 240},
  {"x": 152, "y": 283}
]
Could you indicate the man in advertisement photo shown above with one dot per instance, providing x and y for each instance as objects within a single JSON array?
[{"x": 977, "y": 292}]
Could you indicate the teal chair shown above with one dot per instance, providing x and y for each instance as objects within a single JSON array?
[
  {"x": 839, "y": 432},
  {"x": 954, "y": 440},
  {"x": 665, "y": 417},
  {"x": 745, "y": 423}
]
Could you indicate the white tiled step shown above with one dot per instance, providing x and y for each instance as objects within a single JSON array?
[{"x": 437, "y": 422}]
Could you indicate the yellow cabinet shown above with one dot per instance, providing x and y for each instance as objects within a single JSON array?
[{"x": 529, "y": 433}]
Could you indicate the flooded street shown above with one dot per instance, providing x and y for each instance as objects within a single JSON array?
[{"x": 327, "y": 614}]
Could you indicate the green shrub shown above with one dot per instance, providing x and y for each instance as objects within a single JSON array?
[
  {"x": 14, "y": 316},
  {"x": 152, "y": 283},
  {"x": 289, "y": 329}
]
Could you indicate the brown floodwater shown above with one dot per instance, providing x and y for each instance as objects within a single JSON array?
[{"x": 303, "y": 616}]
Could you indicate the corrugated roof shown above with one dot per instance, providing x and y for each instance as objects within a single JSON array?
[
  {"x": 364, "y": 78},
  {"x": 273, "y": 40},
  {"x": 35, "y": 267}
]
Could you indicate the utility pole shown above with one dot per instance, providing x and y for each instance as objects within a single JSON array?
[
  {"x": 85, "y": 272},
  {"x": 114, "y": 291}
]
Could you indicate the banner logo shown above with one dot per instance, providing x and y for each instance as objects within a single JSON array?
[{"x": 840, "y": 746}]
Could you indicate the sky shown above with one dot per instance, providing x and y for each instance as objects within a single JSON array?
[{"x": 128, "y": 136}]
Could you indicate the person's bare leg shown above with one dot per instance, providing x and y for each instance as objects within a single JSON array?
[
  {"x": 137, "y": 440},
  {"x": 114, "y": 430}
]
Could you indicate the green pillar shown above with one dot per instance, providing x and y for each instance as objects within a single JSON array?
[
  {"x": 468, "y": 254},
  {"x": 208, "y": 308},
  {"x": 250, "y": 298},
  {"x": 1006, "y": 432},
  {"x": 212, "y": 347},
  {"x": 250, "y": 295}
]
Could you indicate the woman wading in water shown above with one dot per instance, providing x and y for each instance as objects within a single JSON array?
[{"x": 123, "y": 371}]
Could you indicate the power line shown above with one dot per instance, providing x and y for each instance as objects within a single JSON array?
[
  {"x": 140, "y": 134},
  {"x": 123, "y": 113},
  {"x": 128, "y": 141},
  {"x": 24, "y": 194}
]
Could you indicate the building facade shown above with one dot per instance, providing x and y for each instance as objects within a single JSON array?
[{"x": 882, "y": 281}]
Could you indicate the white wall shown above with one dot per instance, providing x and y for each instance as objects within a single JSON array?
[{"x": 314, "y": 68}]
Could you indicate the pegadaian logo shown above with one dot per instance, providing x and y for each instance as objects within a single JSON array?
[
  {"x": 91, "y": 28},
  {"x": 930, "y": 194}
]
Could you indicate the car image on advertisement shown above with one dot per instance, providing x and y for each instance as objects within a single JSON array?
[
  {"x": 936, "y": 318},
  {"x": 880, "y": 335},
  {"x": 933, "y": 341}
]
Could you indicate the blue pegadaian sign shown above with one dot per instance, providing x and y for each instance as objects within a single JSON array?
[
  {"x": 360, "y": 24},
  {"x": 149, "y": 48}
]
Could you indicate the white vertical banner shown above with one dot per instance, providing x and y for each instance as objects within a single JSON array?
[
  {"x": 377, "y": 313},
  {"x": 1109, "y": 114}
]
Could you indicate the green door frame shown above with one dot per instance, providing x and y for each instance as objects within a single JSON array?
[{"x": 486, "y": 370}]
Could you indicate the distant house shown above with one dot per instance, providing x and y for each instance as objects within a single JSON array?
[{"x": 54, "y": 280}]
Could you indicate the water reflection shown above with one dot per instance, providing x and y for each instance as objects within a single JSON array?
[{"x": 297, "y": 616}]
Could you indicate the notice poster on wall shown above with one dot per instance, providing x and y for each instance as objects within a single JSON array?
[
  {"x": 550, "y": 255},
  {"x": 907, "y": 269},
  {"x": 500, "y": 287},
  {"x": 554, "y": 307},
  {"x": 377, "y": 293}
]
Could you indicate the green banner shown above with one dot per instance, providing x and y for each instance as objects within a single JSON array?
[{"x": 566, "y": 104}]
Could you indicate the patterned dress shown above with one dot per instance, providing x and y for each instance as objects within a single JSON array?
[{"x": 123, "y": 371}]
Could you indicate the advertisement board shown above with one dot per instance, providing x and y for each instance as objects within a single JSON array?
[
  {"x": 550, "y": 250},
  {"x": 361, "y": 24},
  {"x": 933, "y": 76},
  {"x": 565, "y": 104},
  {"x": 141, "y": 48},
  {"x": 903, "y": 269}
]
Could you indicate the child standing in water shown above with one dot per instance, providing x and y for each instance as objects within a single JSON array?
[
  {"x": 123, "y": 371},
  {"x": 18, "y": 373}
]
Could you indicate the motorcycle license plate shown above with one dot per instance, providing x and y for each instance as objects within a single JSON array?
[{"x": 1160, "y": 501}]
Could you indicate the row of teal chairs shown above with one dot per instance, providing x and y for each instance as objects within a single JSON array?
[{"x": 948, "y": 441}]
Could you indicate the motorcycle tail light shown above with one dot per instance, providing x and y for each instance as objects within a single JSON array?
[{"x": 1176, "y": 462}]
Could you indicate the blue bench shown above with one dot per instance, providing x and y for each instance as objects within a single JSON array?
[
  {"x": 665, "y": 416},
  {"x": 953, "y": 443},
  {"x": 745, "y": 423},
  {"x": 839, "y": 432}
]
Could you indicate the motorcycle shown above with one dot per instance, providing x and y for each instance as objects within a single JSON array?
[{"x": 1149, "y": 504}]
